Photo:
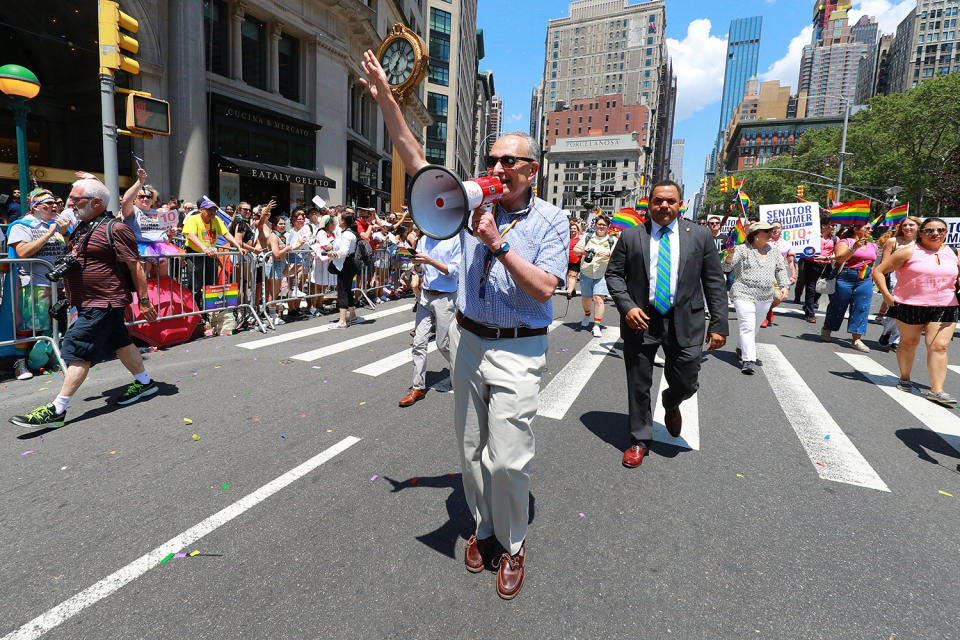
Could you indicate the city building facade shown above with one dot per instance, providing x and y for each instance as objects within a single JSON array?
[
  {"x": 597, "y": 116},
  {"x": 754, "y": 143},
  {"x": 828, "y": 68},
  {"x": 482, "y": 134},
  {"x": 676, "y": 160},
  {"x": 601, "y": 170},
  {"x": 743, "y": 54},
  {"x": 926, "y": 45},
  {"x": 265, "y": 97}
]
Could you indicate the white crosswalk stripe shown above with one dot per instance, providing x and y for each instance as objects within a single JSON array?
[
  {"x": 303, "y": 333},
  {"x": 834, "y": 456},
  {"x": 942, "y": 421},
  {"x": 562, "y": 391},
  {"x": 346, "y": 345}
]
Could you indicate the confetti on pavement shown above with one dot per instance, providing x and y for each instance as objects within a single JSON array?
[
  {"x": 218, "y": 367},
  {"x": 196, "y": 437},
  {"x": 179, "y": 555},
  {"x": 826, "y": 437},
  {"x": 329, "y": 430},
  {"x": 283, "y": 435},
  {"x": 167, "y": 558},
  {"x": 188, "y": 420},
  {"x": 256, "y": 419},
  {"x": 193, "y": 553},
  {"x": 582, "y": 514},
  {"x": 363, "y": 403},
  {"x": 739, "y": 475},
  {"x": 26, "y": 453},
  {"x": 225, "y": 486},
  {"x": 303, "y": 415},
  {"x": 945, "y": 493},
  {"x": 373, "y": 477},
  {"x": 43, "y": 389},
  {"x": 415, "y": 481}
]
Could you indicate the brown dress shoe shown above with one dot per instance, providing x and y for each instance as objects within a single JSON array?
[
  {"x": 673, "y": 421},
  {"x": 510, "y": 573},
  {"x": 633, "y": 456},
  {"x": 414, "y": 396},
  {"x": 477, "y": 554}
]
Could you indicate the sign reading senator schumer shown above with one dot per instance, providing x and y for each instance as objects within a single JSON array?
[{"x": 800, "y": 222}]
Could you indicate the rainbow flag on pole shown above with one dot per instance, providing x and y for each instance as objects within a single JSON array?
[
  {"x": 738, "y": 235},
  {"x": 643, "y": 204},
  {"x": 897, "y": 215},
  {"x": 853, "y": 212},
  {"x": 626, "y": 218}
]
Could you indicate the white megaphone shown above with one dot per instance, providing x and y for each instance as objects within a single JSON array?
[{"x": 441, "y": 205}]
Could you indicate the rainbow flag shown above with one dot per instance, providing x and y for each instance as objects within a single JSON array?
[
  {"x": 744, "y": 199},
  {"x": 221, "y": 296},
  {"x": 683, "y": 208},
  {"x": 626, "y": 218},
  {"x": 897, "y": 215},
  {"x": 643, "y": 204},
  {"x": 738, "y": 235},
  {"x": 864, "y": 271},
  {"x": 853, "y": 212}
]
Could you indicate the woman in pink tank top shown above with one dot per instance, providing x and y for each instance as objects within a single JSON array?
[{"x": 924, "y": 303}]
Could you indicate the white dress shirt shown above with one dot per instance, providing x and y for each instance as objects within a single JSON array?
[
  {"x": 655, "y": 256},
  {"x": 446, "y": 252}
]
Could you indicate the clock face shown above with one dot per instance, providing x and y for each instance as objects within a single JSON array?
[{"x": 398, "y": 61}]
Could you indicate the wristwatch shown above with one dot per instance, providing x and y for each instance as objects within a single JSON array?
[{"x": 502, "y": 250}]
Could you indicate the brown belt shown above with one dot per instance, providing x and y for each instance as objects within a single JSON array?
[
  {"x": 497, "y": 333},
  {"x": 437, "y": 292}
]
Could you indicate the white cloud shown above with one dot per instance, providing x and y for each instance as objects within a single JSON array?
[
  {"x": 787, "y": 68},
  {"x": 698, "y": 63},
  {"x": 888, "y": 14},
  {"x": 515, "y": 117}
]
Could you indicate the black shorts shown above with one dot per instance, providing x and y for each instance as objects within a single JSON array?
[
  {"x": 911, "y": 314},
  {"x": 573, "y": 266},
  {"x": 98, "y": 332}
]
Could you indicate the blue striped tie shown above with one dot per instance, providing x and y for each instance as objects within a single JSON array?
[{"x": 661, "y": 297}]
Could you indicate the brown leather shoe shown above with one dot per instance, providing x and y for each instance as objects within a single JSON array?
[
  {"x": 633, "y": 456},
  {"x": 414, "y": 396},
  {"x": 477, "y": 555},
  {"x": 510, "y": 573},
  {"x": 673, "y": 421}
]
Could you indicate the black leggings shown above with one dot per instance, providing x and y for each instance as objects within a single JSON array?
[{"x": 345, "y": 284}]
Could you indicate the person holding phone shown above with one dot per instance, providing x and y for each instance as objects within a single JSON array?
[{"x": 855, "y": 254}]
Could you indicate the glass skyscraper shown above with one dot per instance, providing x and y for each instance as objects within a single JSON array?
[{"x": 743, "y": 52}]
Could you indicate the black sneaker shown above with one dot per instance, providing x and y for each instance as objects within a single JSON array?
[
  {"x": 40, "y": 418},
  {"x": 884, "y": 339},
  {"x": 747, "y": 368},
  {"x": 136, "y": 391}
]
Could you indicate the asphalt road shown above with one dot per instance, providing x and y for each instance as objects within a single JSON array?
[{"x": 766, "y": 529}]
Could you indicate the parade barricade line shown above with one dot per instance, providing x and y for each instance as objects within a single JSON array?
[
  {"x": 185, "y": 285},
  {"x": 305, "y": 275},
  {"x": 27, "y": 307}
]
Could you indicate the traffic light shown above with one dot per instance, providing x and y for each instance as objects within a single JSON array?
[
  {"x": 148, "y": 115},
  {"x": 800, "y": 191},
  {"x": 112, "y": 40},
  {"x": 725, "y": 184}
]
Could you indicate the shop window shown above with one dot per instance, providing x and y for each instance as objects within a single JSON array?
[
  {"x": 215, "y": 29},
  {"x": 253, "y": 44},
  {"x": 289, "y": 71}
]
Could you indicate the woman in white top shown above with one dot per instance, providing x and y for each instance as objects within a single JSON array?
[
  {"x": 761, "y": 277},
  {"x": 321, "y": 278},
  {"x": 137, "y": 209},
  {"x": 342, "y": 255},
  {"x": 786, "y": 251},
  {"x": 595, "y": 250}
]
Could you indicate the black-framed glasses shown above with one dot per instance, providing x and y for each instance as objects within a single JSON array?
[
  {"x": 932, "y": 232},
  {"x": 714, "y": 224},
  {"x": 507, "y": 162}
]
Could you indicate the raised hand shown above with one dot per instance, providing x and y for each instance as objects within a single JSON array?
[{"x": 376, "y": 80}]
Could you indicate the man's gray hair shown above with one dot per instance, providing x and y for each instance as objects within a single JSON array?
[
  {"x": 533, "y": 147},
  {"x": 93, "y": 188}
]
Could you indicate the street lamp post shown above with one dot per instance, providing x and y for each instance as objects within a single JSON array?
[{"x": 20, "y": 84}]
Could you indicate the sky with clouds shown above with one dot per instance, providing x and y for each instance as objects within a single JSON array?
[{"x": 514, "y": 36}]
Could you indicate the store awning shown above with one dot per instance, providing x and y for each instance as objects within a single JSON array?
[{"x": 285, "y": 173}]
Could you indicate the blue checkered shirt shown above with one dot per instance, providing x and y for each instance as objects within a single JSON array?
[{"x": 542, "y": 237}]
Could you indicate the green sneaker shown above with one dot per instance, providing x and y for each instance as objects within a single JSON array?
[
  {"x": 40, "y": 418},
  {"x": 136, "y": 391}
]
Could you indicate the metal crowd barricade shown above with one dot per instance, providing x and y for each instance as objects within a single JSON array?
[
  {"x": 227, "y": 273},
  {"x": 39, "y": 317}
]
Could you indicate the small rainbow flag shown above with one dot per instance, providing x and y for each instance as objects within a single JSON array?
[
  {"x": 744, "y": 199},
  {"x": 643, "y": 204},
  {"x": 853, "y": 212},
  {"x": 404, "y": 252},
  {"x": 897, "y": 215},
  {"x": 864, "y": 271},
  {"x": 626, "y": 218},
  {"x": 221, "y": 296},
  {"x": 738, "y": 235},
  {"x": 683, "y": 208}
]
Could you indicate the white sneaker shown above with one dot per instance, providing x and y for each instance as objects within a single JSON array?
[
  {"x": 277, "y": 320},
  {"x": 596, "y": 331},
  {"x": 858, "y": 345},
  {"x": 586, "y": 322},
  {"x": 21, "y": 371}
]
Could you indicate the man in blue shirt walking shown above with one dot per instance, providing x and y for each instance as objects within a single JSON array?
[{"x": 512, "y": 263}]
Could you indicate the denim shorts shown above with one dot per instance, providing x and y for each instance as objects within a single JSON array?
[
  {"x": 97, "y": 333},
  {"x": 590, "y": 287}
]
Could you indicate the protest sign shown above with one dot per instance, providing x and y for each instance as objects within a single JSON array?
[
  {"x": 800, "y": 222},
  {"x": 953, "y": 232},
  {"x": 167, "y": 217}
]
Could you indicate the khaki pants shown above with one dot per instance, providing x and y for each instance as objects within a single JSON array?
[
  {"x": 433, "y": 311},
  {"x": 496, "y": 388}
]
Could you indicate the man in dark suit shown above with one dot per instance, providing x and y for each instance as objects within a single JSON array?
[{"x": 659, "y": 275}]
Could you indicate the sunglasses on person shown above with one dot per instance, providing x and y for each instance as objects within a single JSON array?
[
  {"x": 934, "y": 232},
  {"x": 507, "y": 162},
  {"x": 714, "y": 224},
  {"x": 246, "y": 209}
]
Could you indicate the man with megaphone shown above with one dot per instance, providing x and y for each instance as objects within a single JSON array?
[{"x": 514, "y": 255}]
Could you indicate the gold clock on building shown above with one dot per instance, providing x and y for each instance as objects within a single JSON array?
[{"x": 404, "y": 59}]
